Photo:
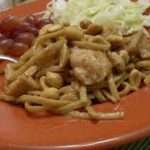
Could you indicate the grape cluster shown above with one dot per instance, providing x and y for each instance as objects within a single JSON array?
[{"x": 17, "y": 35}]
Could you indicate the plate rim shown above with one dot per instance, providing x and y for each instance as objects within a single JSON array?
[
  {"x": 106, "y": 143},
  {"x": 101, "y": 145}
]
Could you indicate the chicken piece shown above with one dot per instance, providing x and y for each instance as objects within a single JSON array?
[
  {"x": 54, "y": 80},
  {"x": 131, "y": 42},
  {"x": 51, "y": 93},
  {"x": 137, "y": 43},
  {"x": 90, "y": 67},
  {"x": 68, "y": 93},
  {"x": 21, "y": 86},
  {"x": 144, "y": 47},
  {"x": 117, "y": 61},
  {"x": 125, "y": 56}
]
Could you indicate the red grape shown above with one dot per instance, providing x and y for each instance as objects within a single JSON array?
[
  {"x": 2, "y": 36},
  {"x": 9, "y": 24},
  {"x": 22, "y": 31},
  {"x": 18, "y": 49},
  {"x": 42, "y": 23},
  {"x": 14, "y": 34},
  {"x": 25, "y": 38},
  {"x": 31, "y": 19},
  {"x": 34, "y": 30},
  {"x": 24, "y": 27},
  {"x": 5, "y": 44}
]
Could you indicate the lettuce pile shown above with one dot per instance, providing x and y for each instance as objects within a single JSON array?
[{"x": 124, "y": 15}]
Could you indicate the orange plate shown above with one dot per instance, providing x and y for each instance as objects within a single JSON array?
[{"x": 19, "y": 130}]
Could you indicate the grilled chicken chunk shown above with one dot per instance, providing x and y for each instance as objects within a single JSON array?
[{"x": 90, "y": 67}]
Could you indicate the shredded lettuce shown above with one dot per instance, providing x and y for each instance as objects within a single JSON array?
[{"x": 124, "y": 15}]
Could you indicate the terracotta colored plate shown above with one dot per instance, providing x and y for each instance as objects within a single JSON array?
[{"x": 19, "y": 130}]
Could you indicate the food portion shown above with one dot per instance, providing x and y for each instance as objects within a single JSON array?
[
  {"x": 90, "y": 67},
  {"x": 17, "y": 35},
  {"x": 69, "y": 69},
  {"x": 125, "y": 16}
]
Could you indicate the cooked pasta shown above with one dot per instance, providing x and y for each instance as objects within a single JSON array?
[{"x": 69, "y": 69}]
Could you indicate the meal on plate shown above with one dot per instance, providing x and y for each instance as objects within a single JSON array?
[{"x": 70, "y": 67}]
